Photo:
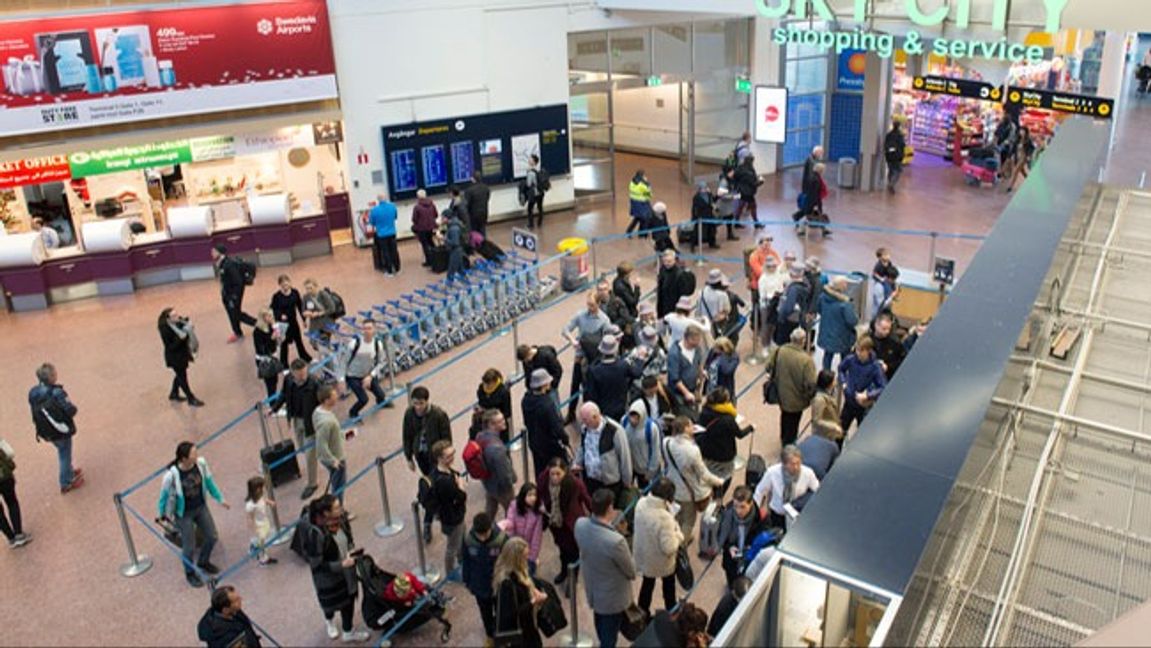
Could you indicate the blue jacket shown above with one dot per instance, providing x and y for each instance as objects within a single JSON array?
[
  {"x": 383, "y": 218},
  {"x": 837, "y": 321},
  {"x": 856, "y": 376},
  {"x": 819, "y": 454},
  {"x": 171, "y": 504}
]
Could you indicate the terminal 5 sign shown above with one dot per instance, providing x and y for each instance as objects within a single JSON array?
[{"x": 914, "y": 43}]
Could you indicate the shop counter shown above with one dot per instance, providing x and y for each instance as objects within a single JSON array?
[
  {"x": 919, "y": 296},
  {"x": 273, "y": 244},
  {"x": 154, "y": 263},
  {"x": 238, "y": 240},
  {"x": 112, "y": 272},
  {"x": 24, "y": 288},
  {"x": 69, "y": 278},
  {"x": 311, "y": 237}
]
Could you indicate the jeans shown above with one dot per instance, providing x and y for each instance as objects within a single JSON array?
[
  {"x": 829, "y": 358},
  {"x": 202, "y": 518},
  {"x": 10, "y": 523},
  {"x": 607, "y": 628},
  {"x": 453, "y": 545},
  {"x": 180, "y": 382},
  {"x": 389, "y": 253},
  {"x": 64, "y": 454},
  {"x": 455, "y": 262},
  {"x": 538, "y": 204},
  {"x": 300, "y": 428},
  {"x": 789, "y": 426},
  {"x": 647, "y": 589},
  {"x": 356, "y": 384},
  {"x": 487, "y": 614},
  {"x": 234, "y": 307},
  {"x": 425, "y": 239},
  {"x": 893, "y": 174},
  {"x": 337, "y": 476}
]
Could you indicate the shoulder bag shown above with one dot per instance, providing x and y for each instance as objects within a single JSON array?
[
  {"x": 700, "y": 505},
  {"x": 684, "y": 574}
]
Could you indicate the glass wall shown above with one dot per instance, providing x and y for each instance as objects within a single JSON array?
[
  {"x": 722, "y": 56},
  {"x": 805, "y": 71},
  {"x": 590, "y": 110}
]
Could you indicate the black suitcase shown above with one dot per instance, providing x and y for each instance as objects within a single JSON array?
[
  {"x": 490, "y": 251},
  {"x": 753, "y": 473},
  {"x": 286, "y": 471},
  {"x": 440, "y": 259}
]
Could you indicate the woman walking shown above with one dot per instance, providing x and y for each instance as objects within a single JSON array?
[
  {"x": 717, "y": 443},
  {"x": 286, "y": 305},
  {"x": 180, "y": 347},
  {"x": 655, "y": 543},
  {"x": 331, "y": 553},
  {"x": 184, "y": 494},
  {"x": 517, "y": 597},
  {"x": 267, "y": 343},
  {"x": 565, "y": 500}
]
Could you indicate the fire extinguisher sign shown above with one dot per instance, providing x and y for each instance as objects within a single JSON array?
[{"x": 362, "y": 158}]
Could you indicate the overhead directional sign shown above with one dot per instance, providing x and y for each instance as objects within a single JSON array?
[
  {"x": 1064, "y": 102},
  {"x": 958, "y": 88},
  {"x": 525, "y": 240}
]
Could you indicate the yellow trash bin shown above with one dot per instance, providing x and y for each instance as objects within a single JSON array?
[{"x": 574, "y": 268}]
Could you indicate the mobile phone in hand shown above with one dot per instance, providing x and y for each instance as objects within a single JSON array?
[{"x": 350, "y": 434}]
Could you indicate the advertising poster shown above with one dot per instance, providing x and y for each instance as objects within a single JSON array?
[
  {"x": 523, "y": 148},
  {"x": 850, "y": 71},
  {"x": 770, "y": 114},
  {"x": 111, "y": 68}
]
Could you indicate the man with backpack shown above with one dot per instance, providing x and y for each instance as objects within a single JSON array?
[
  {"x": 235, "y": 275},
  {"x": 894, "y": 145},
  {"x": 488, "y": 460},
  {"x": 424, "y": 426},
  {"x": 538, "y": 182},
  {"x": 54, "y": 416}
]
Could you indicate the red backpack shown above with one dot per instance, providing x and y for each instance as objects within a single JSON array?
[{"x": 474, "y": 460}]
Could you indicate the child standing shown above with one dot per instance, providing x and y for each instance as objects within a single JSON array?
[
  {"x": 259, "y": 509},
  {"x": 525, "y": 520}
]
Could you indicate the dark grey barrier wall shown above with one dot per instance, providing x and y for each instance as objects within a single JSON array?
[{"x": 874, "y": 515}]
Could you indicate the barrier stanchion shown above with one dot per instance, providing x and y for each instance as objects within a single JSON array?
[
  {"x": 269, "y": 488},
  {"x": 515, "y": 346},
  {"x": 572, "y": 637},
  {"x": 525, "y": 447},
  {"x": 429, "y": 575},
  {"x": 699, "y": 261},
  {"x": 138, "y": 563},
  {"x": 594, "y": 264},
  {"x": 753, "y": 359},
  {"x": 386, "y": 527},
  {"x": 931, "y": 254},
  {"x": 263, "y": 425},
  {"x": 393, "y": 391}
]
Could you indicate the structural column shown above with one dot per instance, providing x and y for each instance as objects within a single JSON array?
[
  {"x": 874, "y": 121},
  {"x": 766, "y": 59}
]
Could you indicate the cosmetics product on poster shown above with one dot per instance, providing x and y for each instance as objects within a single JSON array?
[{"x": 126, "y": 66}]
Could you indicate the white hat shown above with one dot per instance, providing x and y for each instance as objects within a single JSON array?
[{"x": 540, "y": 377}]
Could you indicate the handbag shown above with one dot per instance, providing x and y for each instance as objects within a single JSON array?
[
  {"x": 634, "y": 622},
  {"x": 770, "y": 387},
  {"x": 508, "y": 637},
  {"x": 550, "y": 617},
  {"x": 684, "y": 574},
  {"x": 268, "y": 367}
]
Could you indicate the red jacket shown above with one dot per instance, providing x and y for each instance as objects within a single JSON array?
[{"x": 415, "y": 592}]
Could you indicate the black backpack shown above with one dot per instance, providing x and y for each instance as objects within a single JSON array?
[
  {"x": 338, "y": 308},
  {"x": 543, "y": 179},
  {"x": 248, "y": 270},
  {"x": 52, "y": 423}
]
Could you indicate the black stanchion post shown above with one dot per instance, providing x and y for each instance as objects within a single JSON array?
[
  {"x": 386, "y": 527},
  {"x": 138, "y": 564},
  {"x": 931, "y": 258},
  {"x": 427, "y": 573},
  {"x": 269, "y": 488},
  {"x": 572, "y": 637},
  {"x": 699, "y": 262}
]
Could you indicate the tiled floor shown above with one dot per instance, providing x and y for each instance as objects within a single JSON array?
[{"x": 64, "y": 588}]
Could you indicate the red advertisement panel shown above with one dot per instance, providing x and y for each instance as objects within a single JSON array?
[
  {"x": 127, "y": 66},
  {"x": 53, "y": 168}
]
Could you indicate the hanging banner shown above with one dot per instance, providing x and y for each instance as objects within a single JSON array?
[
  {"x": 34, "y": 171},
  {"x": 109, "y": 68},
  {"x": 127, "y": 158}
]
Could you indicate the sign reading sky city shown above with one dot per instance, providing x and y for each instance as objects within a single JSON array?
[{"x": 914, "y": 43}]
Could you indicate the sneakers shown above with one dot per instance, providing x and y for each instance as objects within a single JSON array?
[
  {"x": 308, "y": 491},
  {"x": 77, "y": 482},
  {"x": 20, "y": 540},
  {"x": 281, "y": 413},
  {"x": 333, "y": 631},
  {"x": 232, "y": 339},
  {"x": 355, "y": 636},
  {"x": 193, "y": 579},
  {"x": 176, "y": 398}
]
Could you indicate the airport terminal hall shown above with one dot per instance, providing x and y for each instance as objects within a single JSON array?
[{"x": 575, "y": 323}]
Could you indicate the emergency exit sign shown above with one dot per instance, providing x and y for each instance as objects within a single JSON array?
[
  {"x": 654, "y": 81},
  {"x": 743, "y": 85}
]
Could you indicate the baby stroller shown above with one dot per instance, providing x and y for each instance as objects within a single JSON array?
[{"x": 381, "y": 614}]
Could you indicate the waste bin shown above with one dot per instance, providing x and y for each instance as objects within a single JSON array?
[
  {"x": 574, "y": 268},
  {"x": 847, "y": 172}
]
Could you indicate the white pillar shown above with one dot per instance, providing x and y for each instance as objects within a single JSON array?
[
  {"x": 765, "y": 63},
  {"x": 874, "y": 121},
  {"x": 1113, "y": 66}
]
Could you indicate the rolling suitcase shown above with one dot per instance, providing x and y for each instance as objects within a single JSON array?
[
  {"x": 440, "y": 259},
  {"x": 273, "y": 457},
  {"x": 709, "y": 546},
  {"x": 753, "y": 473}
]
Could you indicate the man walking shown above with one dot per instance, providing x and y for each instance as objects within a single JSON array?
[
  {"x": 538, "y": 183},
  {"x": 54, "y": 416},
  {"x": 608, "y": 567},
  {"x": 447, "y": 491},
  {"x": 235, "y": 275},
  {"x": 477, "y": 196},
  {"x": 424, "y": 426},
  {"x": 225, "y": 625},
  {"x": 547, "y": 437},
  {"x": 330, "y": 441},
  {"x": 300, "y": 397},
  {"x": 793, "y": 371},
  {"x": 382, "y": 221},
  {"x": 894, "y": 145}
]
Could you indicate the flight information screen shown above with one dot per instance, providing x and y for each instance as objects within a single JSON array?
[
  {"x": 404, "y": 170},
  {"x": 435, "y": 166}
]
